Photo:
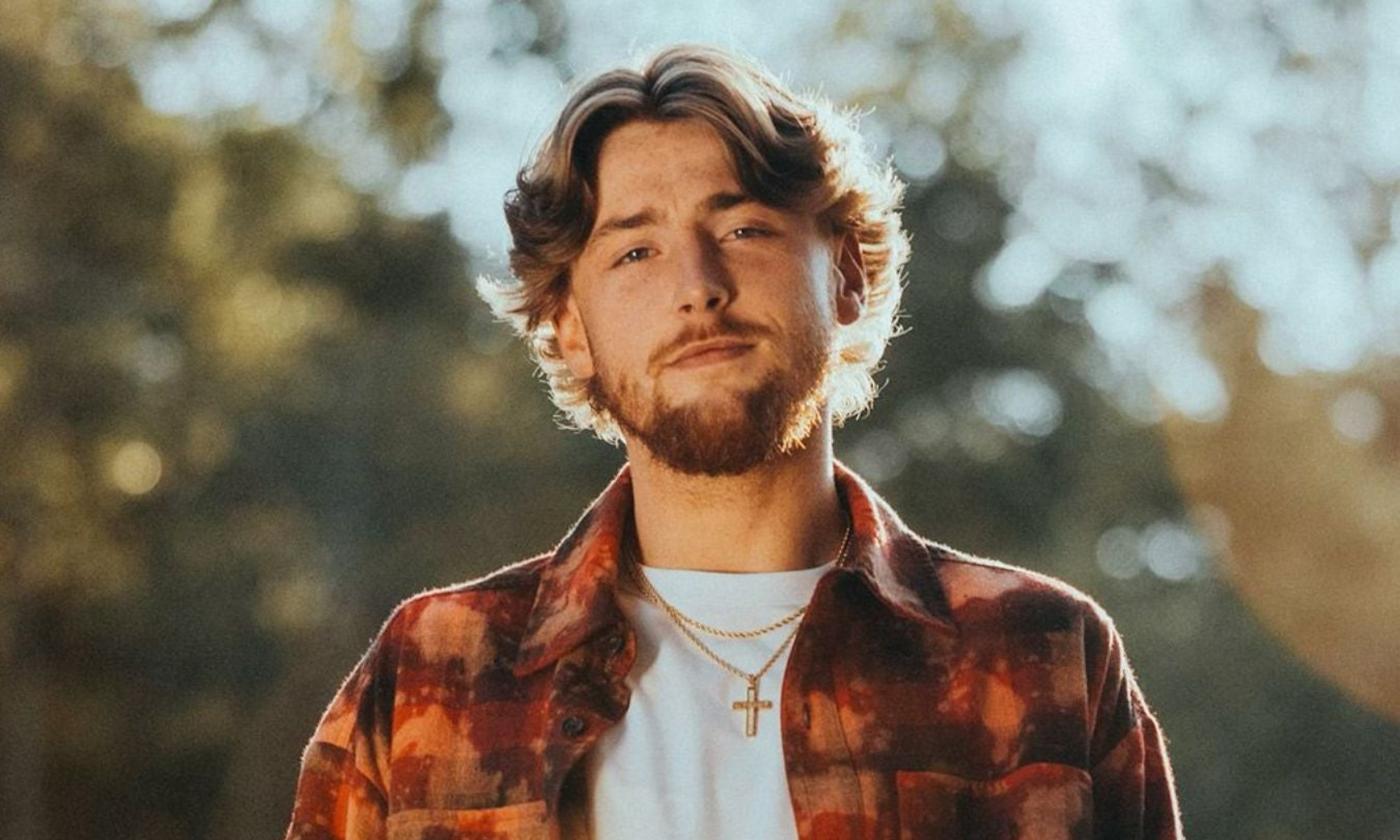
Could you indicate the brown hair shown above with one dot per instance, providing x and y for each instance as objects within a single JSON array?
[{"x": 789, "y": 151}]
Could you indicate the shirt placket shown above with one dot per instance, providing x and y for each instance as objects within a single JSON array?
[{"x": 588, "y": 695}]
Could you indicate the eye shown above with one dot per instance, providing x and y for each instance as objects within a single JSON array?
[
  {"x": 634, "y": 255},
  {"x": 749, "y": 232}
]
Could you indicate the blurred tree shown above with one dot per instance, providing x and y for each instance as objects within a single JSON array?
[
  {"x": 1307, "y": 470},
  {"x": 244, "y": 413}
]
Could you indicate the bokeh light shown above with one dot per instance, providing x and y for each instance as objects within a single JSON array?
[{"x": 135, "y": 468}]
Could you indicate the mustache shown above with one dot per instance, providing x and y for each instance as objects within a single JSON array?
[{"x": 726, "y": 327}]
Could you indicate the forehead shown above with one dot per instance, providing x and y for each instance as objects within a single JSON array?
[{"x": 642, "y": 159}]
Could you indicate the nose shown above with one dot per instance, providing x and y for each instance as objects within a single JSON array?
[{"x": 703, "y": 284}]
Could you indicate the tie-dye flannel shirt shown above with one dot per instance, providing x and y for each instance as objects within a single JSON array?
[{"x": 928, "y": 694}]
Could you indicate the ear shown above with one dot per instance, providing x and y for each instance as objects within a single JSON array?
[
  {"x": 573, "y": 339},
  {"x": 850, "y": 279}
]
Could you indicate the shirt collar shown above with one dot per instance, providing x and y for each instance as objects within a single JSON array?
[{"x": 575, "y": 597}]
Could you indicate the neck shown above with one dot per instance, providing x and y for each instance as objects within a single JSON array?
[{"x": 781, "y": 516}]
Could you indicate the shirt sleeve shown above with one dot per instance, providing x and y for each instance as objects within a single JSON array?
[
  {"x": 1134, "y": 792},
  {"x": 341, "y": 793}
]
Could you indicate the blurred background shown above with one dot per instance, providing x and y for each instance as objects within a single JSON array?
[{"x": 249, "y": 400}]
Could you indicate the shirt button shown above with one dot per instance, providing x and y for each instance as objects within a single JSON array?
[{"x": 573, "y": 726}]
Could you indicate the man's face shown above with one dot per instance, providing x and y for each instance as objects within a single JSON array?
[{"x": 701, "y": 319}]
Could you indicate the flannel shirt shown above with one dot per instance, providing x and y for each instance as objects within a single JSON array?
[{"x": 928, "y": 694}]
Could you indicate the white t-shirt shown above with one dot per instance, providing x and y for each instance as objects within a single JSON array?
[{"x": 679, "y": 765}]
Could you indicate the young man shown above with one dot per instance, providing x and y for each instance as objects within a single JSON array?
[{"x": 739, "y": 638}]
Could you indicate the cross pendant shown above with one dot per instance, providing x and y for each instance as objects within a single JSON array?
[{"x": 750, "y": 706}]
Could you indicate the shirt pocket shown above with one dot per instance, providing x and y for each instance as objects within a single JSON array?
[
  {"x": 523, "y": 821},
  {"x": 1041, "y": 801}
]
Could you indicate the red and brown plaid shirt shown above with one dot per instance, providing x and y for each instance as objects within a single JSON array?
[{"x": 928, "y": 694}]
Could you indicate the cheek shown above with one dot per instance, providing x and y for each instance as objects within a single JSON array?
[
  {"x": 825, "y": 280},
  {"x": 802, "y": 276},
  {"x": 621, "y": 340},
  {"x": 812, "y": 291}
]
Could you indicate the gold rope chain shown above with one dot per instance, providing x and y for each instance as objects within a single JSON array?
[
  {"x": 753, "y": 678},
  {"x": 635, "y": 572},
  {"x": 685, "y": 622}
]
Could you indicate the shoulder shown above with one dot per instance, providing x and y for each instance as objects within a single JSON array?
[
  {"x": 471, "y": 619},
  {"x": 979, "y": 590},
  {"x": 512, "y": 581},
  {"x": 464, "y": 627},
  {"x": 492, "y": 594}
]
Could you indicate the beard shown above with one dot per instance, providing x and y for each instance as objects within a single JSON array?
[{"x": 770, "y": 419}]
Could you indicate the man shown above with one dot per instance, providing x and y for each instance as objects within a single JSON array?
[{"x": 739, "y": 638}]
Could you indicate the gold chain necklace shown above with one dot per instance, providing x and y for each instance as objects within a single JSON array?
[
  {"x": 655, "y": 597},
  {"x": 751, "y": 704}
]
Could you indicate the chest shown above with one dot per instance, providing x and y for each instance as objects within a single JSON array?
[{"x": 879, "y": 727}]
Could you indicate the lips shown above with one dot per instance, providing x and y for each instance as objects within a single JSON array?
[{"x": 707, "y": 352}]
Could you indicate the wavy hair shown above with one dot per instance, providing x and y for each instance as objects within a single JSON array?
[{"x": 789, "y": 151}]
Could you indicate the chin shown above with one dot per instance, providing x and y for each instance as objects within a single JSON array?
[
  {"x": 717, "y": 391},
  {"x": 709, "y": 407}
]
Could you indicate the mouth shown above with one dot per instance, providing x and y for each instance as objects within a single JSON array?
[{"x": 708, "y": 353}]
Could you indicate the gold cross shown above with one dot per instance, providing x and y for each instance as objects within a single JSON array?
[{"x": 750, "y": 707}]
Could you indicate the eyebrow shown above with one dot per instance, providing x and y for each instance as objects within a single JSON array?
[{"x": 713, "y": 204}]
